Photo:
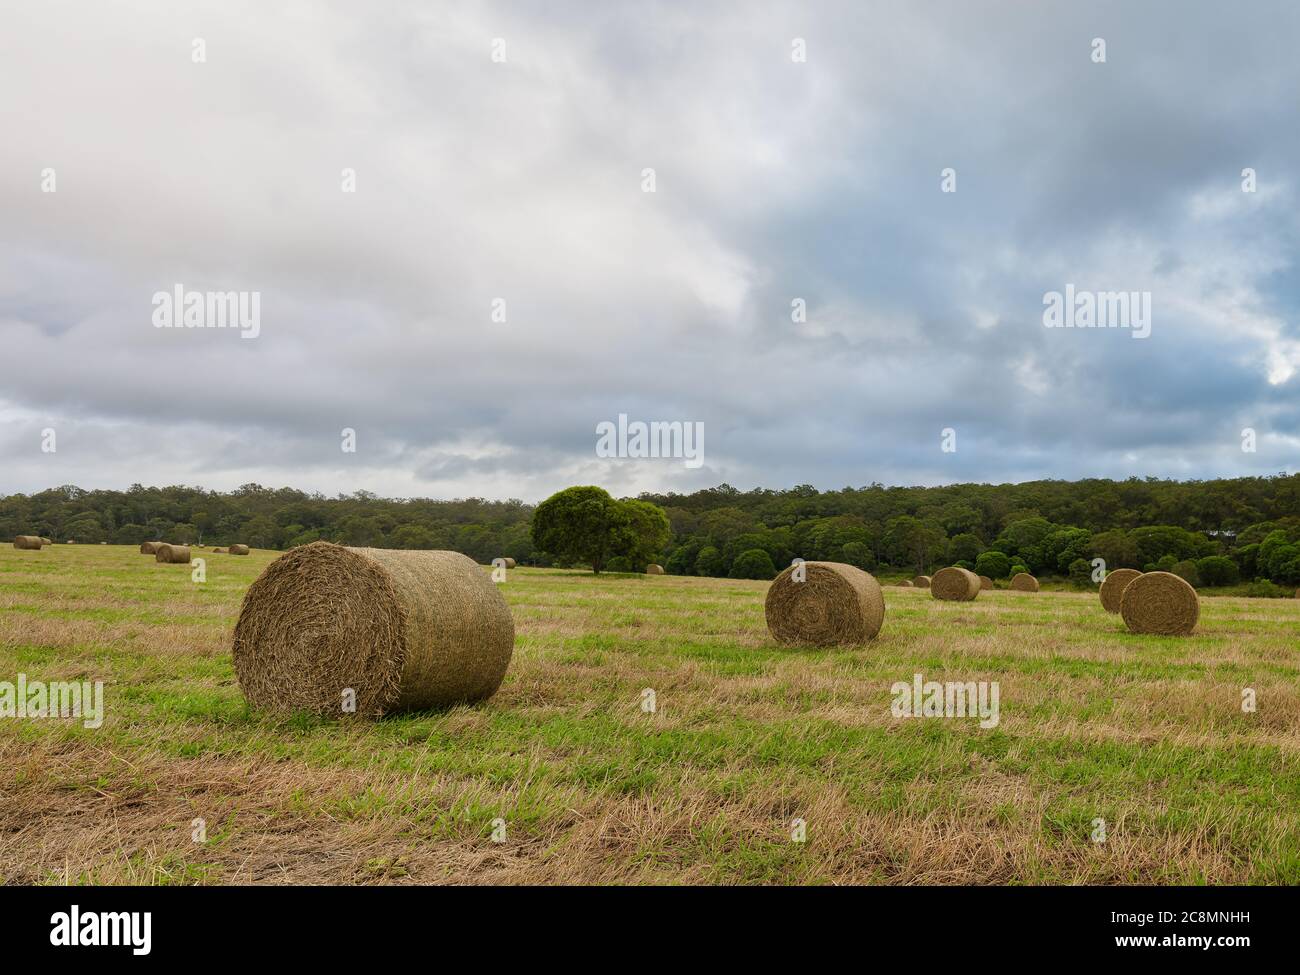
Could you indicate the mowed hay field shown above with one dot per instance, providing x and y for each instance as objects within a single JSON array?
[{"x": 1145, "y": 732}]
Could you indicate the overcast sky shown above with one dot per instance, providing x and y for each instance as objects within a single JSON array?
[{"x": 522, "y": 179}]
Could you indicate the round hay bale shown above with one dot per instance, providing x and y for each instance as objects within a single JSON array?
[
  {"x": 29, "y": 542},
  {"x": 835, "y": 604},
  {"x": 149, "y": 548},
  {"x": 654, "y": 570},
  {"x": 955, "y": 584},
  {"x": 509, "y": 562},
  {"x": 219, "y": 550},
  {"x": 986, "y": 582},
  {"x": 1160, "y": 602},
  {"x": 1112, "y": 588},
  {"x": 906, "y": 584},
  {"x": 172, "y": 554},
  {"x": 45, "y": 541},
  {"x": 238, "y": 549},
  {"x": 921, "y": 582},
  {"x": 1024, "y": 582},
  {"x": 402, "y": 629}
]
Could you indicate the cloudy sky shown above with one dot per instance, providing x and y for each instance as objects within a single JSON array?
[{"x": 480, "y": 178}]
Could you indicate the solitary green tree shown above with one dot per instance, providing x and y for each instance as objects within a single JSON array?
[{"x": 581, "y": 524}]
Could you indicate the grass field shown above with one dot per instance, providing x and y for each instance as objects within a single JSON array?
[{"x": 1146, "y": 733}]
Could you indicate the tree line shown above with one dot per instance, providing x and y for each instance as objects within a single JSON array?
[{"x": 1215, "y": 532}]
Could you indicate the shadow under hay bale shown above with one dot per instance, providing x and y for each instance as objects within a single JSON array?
[
  {"x": 1160, "y": 603},
  {"x": 1024, "y": 582},
  {"x": 835, "y": 604},
  {"x": 1113, "y": 586},
  {"x": 955, "y": 584},
  {"x": 396, "y": 630}
]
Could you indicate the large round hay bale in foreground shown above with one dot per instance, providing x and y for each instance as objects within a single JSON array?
[
  {"x": 1112, "y": 588},
  {"x": 401, "y": 629},
  {"x": 654, "y": 570},
  {"x": 1024, "y": 582},
  {"x": 955, "y": 584},
  {"x": 29, "y": 542},
  {"x": 835, "y": 604},
  {"x": 172, "y": 554},
  {"x": 238, "y": 550},
  {"x": 1160, "y": 602},
  {"x": 986, "y": 582},
  {"x": 149, "y": 548},
  {"x": 921, "y": 582}
]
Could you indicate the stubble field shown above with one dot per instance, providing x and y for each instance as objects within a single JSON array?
[{"x": 580, "y": 784}]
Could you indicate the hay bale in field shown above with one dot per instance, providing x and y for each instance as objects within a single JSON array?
[
  {"x": 1112, "y": 588},
  {"x": 955, "y": 584},
  {"x": 654, "y": 570},
  {"x": 238, "y": 550},
  {"x": 402, "y": 629},
  {"x": 1160, "y": 602},
  {"x": 835, "y": 604},
  {"x": 45, "y": 541},
  {"x": 29, "y": 542},
  {"x": 921, "y": 582},
  {"x": 509, "y": 563},
  {"x": 149, "y": 548},
  {"x": 1024, "y": 582},
  {"x": 986, "y": 582},
  {"x": 219, "y": 551},
  {"x": 906, "y": 584},
  {"x": 172, "y": 554}
]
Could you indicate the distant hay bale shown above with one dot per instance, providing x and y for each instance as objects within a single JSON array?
[
  {"x": 1024, "y": 582},
  {"x": 955, "y": 584},
  {"x": 219, "y": 550},
  {"x": 149, "y": 548},
  {"x": 238, "y": 550},
  {"x": 172, "y": 554},
  {"x": 986, "y": 582},
  {"x": 906, "y": 584},
  {"x": 921, "y": 582},
  {"x": 29, "y": 542},
  {"x": 1112, "y": 588},
  {"x": 654, "y": 570},
  {"x": 398, "y": 629},
  {"x": 1160, "y": 602},
  {"x": 45, "y": 541},
  {"x": 836, "y": 604},
  {"x": 509, "y": 562}
]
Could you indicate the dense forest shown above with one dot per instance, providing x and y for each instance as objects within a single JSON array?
[{"x": 1214, "y": 532}]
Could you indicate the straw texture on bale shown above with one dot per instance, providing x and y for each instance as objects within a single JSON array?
[
  {"x": 836, "y": 604},
  {"x": 1112, "y": 588},
  {"x": 238, "y": 549},
  {"x": 1160, "y": 602},
  {"x": 654, "y": 570},
  {"x": 955, "y": 584},
  {"x": 149, "y": 548},
  {"x": 921, "y": 582},
  {"x": 172, "y": 554},
  {"x": 986, "y": 582},
  {"x": 403, "y": 629},
  {"x": 27, "y": 541},
  {"x": 1024, "y": 582}
]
